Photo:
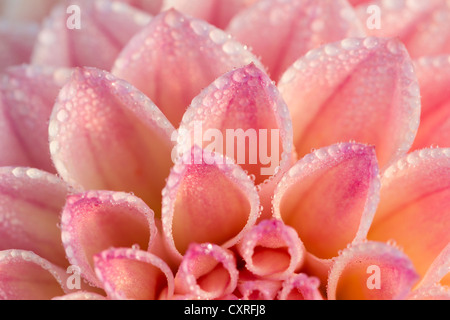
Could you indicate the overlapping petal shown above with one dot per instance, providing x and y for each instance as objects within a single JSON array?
[
  {"x": 176, "y": 56},
  {"x": 329, "y": 197},
  {"x": 97, "y": 220},
  {"x": 251, "y": 287},
  {"x": 414, "y": 206},
  {"x": 122, "y": 138},
  {"x": 300, "y": 287},
  {"x": 151, "y": 6},
  {"x": 350, "y": 90},
  {"x": 80, "y": 33},
  {"x": 286, "y": 30},
  {"x": 30, "y": 206},
  {"x": 134, "y": 274}
]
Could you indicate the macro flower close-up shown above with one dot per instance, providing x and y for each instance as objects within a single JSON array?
[{"x": 224, "y": 150}]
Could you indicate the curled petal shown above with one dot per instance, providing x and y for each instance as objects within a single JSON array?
[
  {"x": 97, "y": 220},
  {"x": 252, "y": 288},
  {"x": 30, "y": 206},
  {"x": 371, "y": 271},
  {"x": 95, "y": 41},
  {"x": 81, "y": 295},
  {"x": 206, "y": 272},
  {"x": 282, "y": 31},
  {"x": 330, "y": 197},
  {"x": 133, "y": 274},
  {"x": 434, "y": 79},
  {"x": 241, "y": 115},
  {"x": 122, "y": 137},
  {"x": 216, "y": 12},
  {"x": 202, "y": 193},
  {"x": 26, "y": 276},
  {"x": 412, "y": 22},
  {"x": 300, "y": 287},
  {"x": 28, "y": 94},
  {"x": 436, "y": 292},
  {"x": 272, "y": 250},
  {"x": 163, "y": 60},
  {"x": 349, "y": 90},
  {"x": 414, "y": 208}
]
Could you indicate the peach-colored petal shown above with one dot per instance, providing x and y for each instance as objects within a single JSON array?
[
  {"x": 348, "y": 91},
  {"x": 16, "y": 42},
  {"x": 133, "y": 274},
  {"x": 330, "y": 197},
  {"x": 245, "y": 110},
  {"x": 122, "y": 138},
  {"x": 415, "y": 23},
  {"x": 28, "y": 94},
  {"x": 414, "y": 208},
  {"x": 207, "y": 199},
  {"x": 300, "y": 287},
  {"x": 272, "y": 250},
  {"x": 371, "y": 271},
  {"x": 164, "y": 60},
  {"x": 81, "y": 296},
  {"x": 96, "y": 43},
  {"x": 216, "y": 12},
  {"x": 97, "y": 220},
  {"x": 281, "y": 31},
  {"x": 30, "y": 206},
  {"x": 26, "y": 276},
  {"x": 206, "y": 272},
  {"x": 434, "y": 80}
]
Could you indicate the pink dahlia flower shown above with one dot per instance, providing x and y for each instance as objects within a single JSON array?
[{"x": 242, "y": 149}]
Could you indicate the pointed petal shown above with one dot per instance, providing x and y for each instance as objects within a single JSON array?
[
  {"x": 16, "y": 42},
  {"x": 272, "y": 250},
  {"x": 348, "y": 91},
  {"x": 300, "y": 287},
  {"x": 242, "y": 116},
  {"x": 203, "y": 192},
  {"x": 414, "y": 206},
  {"x": 122, "y": 138},
  {"x": 28, "y": 94},
  {"x": 133, "y": 274},
  {"x": 414, "y": 23},
  {"x": 26, "y": 276},
  {"x": 283, "y": 31},
  {"x": 95, "y": 42},
  {"x": 330, "y": 197},
  {"x": 97, "y": 220},
  {"x": 164, "y": 60},
  {"x": 81, "y": 296},
  {"x": 206, "y": 272},
  {"x": 434, "y": 79},
  {"x": 30, "y": 206},
  {"x": 371, "y": 271},
  {"x": 216, "y": 12}
]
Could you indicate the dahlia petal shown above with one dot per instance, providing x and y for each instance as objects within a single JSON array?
[
  {"x": 163, "y": 60},
  {"x": 97, "y": 220},
  {"x": 28, "y": 94},
  {"x": 216, "y": 12},
  {"x": 30, "y": 206},
  {"x": 122, "y": 137},
  {"x": 133, "y": 274},
  {"x": 206, "y": 272},
  {"x": 348, "y": 91},
  {"x": 371, "y": 271},
  {"x": 436, "y": 292},
  {"x": 26, "y": 276},
  {"x": 282, "y": 31},
  {"x": 16, "y": 42},
  {"x": 272, "y": 250},
  {"x": 190, "y": 214},
  {"x": 245, "y": 103},
  {"x": 151, "y": 6},
  {"x": 95, "y": 42},
  {"x": 252, "y": 288},
  {"x": 438, "y": 273},
  {"x": 330, "y": 197},
  {"x": 414, "y": 206},
  {"x": 300, "y": 287},
  {"x": 25, "y": 10},
  {"x": 413, "y": 23},
  {"x": 81, "y": 295},
  {"x": 434, "y": 79}
]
